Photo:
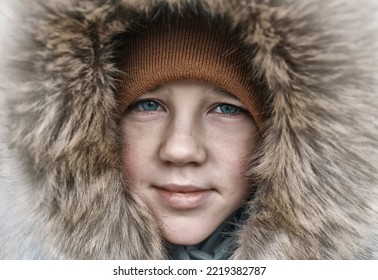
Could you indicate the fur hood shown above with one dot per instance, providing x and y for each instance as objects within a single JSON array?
[{"x": 62, "y": 193}]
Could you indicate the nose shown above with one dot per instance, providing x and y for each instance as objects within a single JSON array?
[{"x": 182, "y": 145}]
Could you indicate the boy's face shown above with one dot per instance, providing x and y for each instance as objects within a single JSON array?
[{"x": 185, "y": 145}]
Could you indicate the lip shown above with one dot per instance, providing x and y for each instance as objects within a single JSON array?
[{"x": 183, "y": 197}]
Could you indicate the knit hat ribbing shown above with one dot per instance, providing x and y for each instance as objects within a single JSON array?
[{"x": 184, "y": 49}]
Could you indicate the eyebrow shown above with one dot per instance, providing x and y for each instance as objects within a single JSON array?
[
  {"x": 215, "y": 90},
  {"x": 221, "y": 92}
]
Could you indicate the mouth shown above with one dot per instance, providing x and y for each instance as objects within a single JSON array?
[{"x": 183, "y": 197}]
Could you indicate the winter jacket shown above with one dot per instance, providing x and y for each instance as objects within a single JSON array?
[{"x": 315, "y": 171}]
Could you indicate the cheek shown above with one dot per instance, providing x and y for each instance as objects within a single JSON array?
[
  {"x": 234, "y": 150},
  {"x": 136, "y": 150},
  {"x": 236, "y": 183},
  {"x": 131, "y": 162},
  {"x": 232, "y": 153},
  {"x": 234, "y": 169}
]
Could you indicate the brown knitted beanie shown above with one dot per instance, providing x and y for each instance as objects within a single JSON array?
[{"x": 184, "y": 49}]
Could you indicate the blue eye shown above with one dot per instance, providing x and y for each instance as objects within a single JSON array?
[
  {"x": 227, "y": 109},
  {"x": 148, "y": 105}
]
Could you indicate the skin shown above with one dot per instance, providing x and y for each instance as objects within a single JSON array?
[{"x": 185, "y": 145}]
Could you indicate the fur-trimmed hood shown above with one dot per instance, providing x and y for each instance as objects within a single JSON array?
[{"x": 62, "y": 193}]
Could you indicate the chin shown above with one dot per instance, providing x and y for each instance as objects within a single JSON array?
[{"x": 180, "y": 238}]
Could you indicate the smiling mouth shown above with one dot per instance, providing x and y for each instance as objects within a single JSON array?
[{"x": 183, "y": 197}]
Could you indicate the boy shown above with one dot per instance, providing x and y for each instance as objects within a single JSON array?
[{"x": 187, "y": 140}]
